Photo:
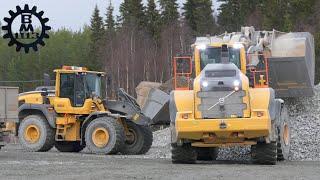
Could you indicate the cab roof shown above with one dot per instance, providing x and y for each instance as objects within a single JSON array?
[{"x": 75, "y": 69}]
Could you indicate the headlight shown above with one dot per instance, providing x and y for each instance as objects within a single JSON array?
[
  {"x": 205, "y": 83},
  {"x": 202, "y": 46},
  {"x": 236, "y": 83}
]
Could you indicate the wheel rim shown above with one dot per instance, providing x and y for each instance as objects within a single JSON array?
[
  {"x": 32, "y": 134},
  {"x": 286, "y": 134},
  {"x": 100, "y": 137},
  {"x": 131, "y": 137}
]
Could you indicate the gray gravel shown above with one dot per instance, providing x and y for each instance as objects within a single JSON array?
[
  {"x": 17, "y": 164},
  {"x": 305, "y": 134},
  {"x": 305, "y": 127}
]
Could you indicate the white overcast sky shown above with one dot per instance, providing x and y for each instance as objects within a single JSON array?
[{"x": 71, "y": 14}]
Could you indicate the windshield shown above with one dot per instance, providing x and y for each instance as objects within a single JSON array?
[
  {"x": 213, "y": 55},
  {"x": 93, "y": 84}
]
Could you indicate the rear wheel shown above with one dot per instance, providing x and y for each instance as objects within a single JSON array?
[
  {"x": 104, "y": 135},
  {"x": 138, "y": 140},
  {"x": 263, "y": 153},
  {"x": 65, "y": 146},
  {"x": 207, "y": 154},
  {"x": 35, "y": 133},
  {"x": 183, "y": 154},
  {"x": 283, "y": 144}
]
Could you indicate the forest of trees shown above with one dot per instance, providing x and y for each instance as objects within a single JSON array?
[{"x": 139, "y": 44}]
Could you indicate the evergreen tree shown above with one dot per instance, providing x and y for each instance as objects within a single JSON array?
[
  {"x": 170, "y": 12},
  {"x": 230, "y": 15},
  {"x": 279, "y": 17},
  {"x": 96, "y": 25},
  {"x": 132, "y": 13},
  {"x": 110, "y": 23},
  {"x": 234, "y": 13},
  {"x": 153, "y": 19},
  {"x": 97, "y": 33},
  {"x": 199, "y": 16}
]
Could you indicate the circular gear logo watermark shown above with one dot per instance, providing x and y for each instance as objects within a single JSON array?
[{"x": 26, "y": 28}]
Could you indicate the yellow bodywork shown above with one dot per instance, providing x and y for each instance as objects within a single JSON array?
[
  {"x": 255, "y": 123},
  {"x": 208, "y": 131},
  {"x": 31, "y": 98}
]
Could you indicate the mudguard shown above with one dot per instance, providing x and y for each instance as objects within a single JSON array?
[{"x": 24, "y": 110}]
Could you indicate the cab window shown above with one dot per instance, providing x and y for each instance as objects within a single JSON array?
[
  {"x": 212, "y": 55},
  {"x": 72, "y": 87}
]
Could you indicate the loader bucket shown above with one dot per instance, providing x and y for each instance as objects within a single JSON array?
[
  {"x": 156, "y": 107},
  {"x": 292, "y": 65}
]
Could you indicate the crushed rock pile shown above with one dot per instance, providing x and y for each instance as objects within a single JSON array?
[{"x": 305, "y": 134}]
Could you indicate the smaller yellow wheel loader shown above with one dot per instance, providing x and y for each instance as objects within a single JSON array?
[{"x": 72, "y": 115}]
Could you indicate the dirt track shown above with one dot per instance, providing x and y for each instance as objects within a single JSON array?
[{"x": 17, "y": 164}]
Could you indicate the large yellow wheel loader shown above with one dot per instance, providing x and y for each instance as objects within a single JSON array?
[
  {"x": 72, "y": 115},
  {"x": 232, "y": 100}
]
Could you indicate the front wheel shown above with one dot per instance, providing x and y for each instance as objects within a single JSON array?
[
  {"x": 104, "y": 135},
  {"x": 138, "y": 140},
  {"x": 185, "y": 154},
  {"x": 263, "y": 153},
  {"x": 207, "y": 154},
  {"x": 35, "y": 134},
  {"x": 283, "y": 144}
]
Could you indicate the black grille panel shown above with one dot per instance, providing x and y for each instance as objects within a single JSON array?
[
  {"x": 232, "y": 106},
  {"x": 220, "y": 73}
]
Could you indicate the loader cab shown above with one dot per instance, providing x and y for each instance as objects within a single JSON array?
[
  {"x": 75, "y": 88},
  {"x": 214, "y": 54},
  {"x": 205, "y": 54}
]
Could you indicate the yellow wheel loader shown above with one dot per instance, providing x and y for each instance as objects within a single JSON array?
[
  {"x": 72, "y": 115},
  {"x": 233, "y": 99}
]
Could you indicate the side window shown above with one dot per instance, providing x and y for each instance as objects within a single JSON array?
[
  {"x": 67, "y": 86},
  {"x": 72, "y": 87}
]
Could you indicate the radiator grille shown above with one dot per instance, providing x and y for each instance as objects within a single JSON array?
[{"x": 232, "y": 106}]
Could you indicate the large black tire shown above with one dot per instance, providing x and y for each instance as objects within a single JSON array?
[
  {"x": 65, "y": 146},
  {"x": 283, "y": 143},
  {"x": 263, "y": 153},
  {"x": 116, "y": 136},
  {"x": 185, "y": 154},
  {"x": 46, "y": 134},
  {"x": 207, "y": 154},
  {"x": 139, "y": 140}
]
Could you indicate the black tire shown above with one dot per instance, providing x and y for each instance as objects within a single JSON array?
[
  {"x": 65, "y": 146},
  {"x": 207, "y": 154},
  {"x": 283, "y": 144},
  {"x": 115, "y": 131},
  {"x": 263, "y": 153},
  {"x": 139, "y": 141},
  {"x": 46, "y": 137},
  {"x": 185, "y": 154}
]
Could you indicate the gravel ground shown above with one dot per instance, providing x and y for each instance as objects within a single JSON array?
[
  {"x": 305, "y": 123},
  {"x": 305, "y": 133},
  {"x": 17, "y": 164}
]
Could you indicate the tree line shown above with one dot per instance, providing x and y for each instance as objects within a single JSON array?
[{"x": 140, "y": 43}]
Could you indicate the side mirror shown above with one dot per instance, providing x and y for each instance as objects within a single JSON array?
[{"x": 44, "y": 92}]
